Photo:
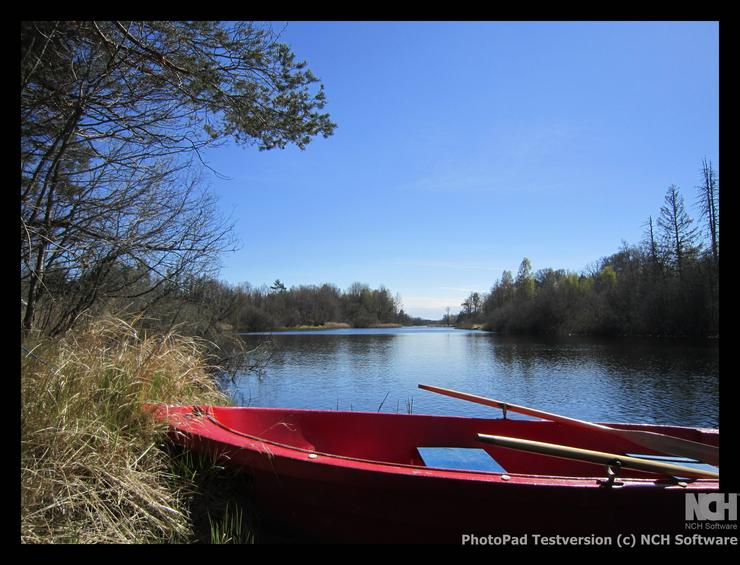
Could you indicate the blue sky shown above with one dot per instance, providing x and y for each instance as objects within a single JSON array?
[{"x": 463, "y": 147}]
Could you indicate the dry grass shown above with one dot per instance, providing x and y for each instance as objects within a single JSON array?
[{"x": 91, "y": 468}]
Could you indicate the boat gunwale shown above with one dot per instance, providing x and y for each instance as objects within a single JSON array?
[{"x": 374, "y": 465}]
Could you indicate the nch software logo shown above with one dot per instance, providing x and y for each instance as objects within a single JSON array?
[{"x": 711, "y": 506}]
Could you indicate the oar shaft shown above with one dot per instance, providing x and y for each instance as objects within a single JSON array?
[
  {"x": 600, "y": 457},
  {"x": 513, "y": 407}
]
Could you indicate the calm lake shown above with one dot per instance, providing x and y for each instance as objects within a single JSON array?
[{"x": 607, "y": 380}]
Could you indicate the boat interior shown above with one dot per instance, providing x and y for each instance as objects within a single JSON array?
[{"x": 448, "y": 442}]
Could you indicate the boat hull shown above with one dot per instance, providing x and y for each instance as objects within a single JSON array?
[{"x": 321, "y": 496}]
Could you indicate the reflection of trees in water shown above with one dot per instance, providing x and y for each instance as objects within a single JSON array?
[
  {"x": 674, "y": 382},
  {"x": 664, "y": 357},
  {"x": 647, "y": 374},
  {"x": 370, "y": 346}
]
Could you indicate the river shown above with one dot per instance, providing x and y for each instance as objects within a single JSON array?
[{"x": 599, "y": 379}]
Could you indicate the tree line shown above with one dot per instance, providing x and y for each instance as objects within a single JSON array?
[
  {"x": 665, "y": 285},
  {"x": 207, "y": 306},
  {"x": 249, "y": 308}
]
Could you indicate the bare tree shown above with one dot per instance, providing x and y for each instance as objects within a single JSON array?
[
  {"x": 650, "y": 245},
  {"x": 708, "y": 200},
  {"x": 114, "y": 115},
  {"x": 679, "y": 236}
]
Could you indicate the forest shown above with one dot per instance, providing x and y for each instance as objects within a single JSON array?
[
  {"x": 214, "y": 305},
  {"x": 666, "y": 285}
]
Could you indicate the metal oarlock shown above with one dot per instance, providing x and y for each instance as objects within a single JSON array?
[{"x": 612, "y": 471}]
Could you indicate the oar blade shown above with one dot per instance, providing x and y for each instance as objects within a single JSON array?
[{"x": 672, "y": 445}]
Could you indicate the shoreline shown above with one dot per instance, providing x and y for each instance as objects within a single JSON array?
[{"x": 335, "y": 326}]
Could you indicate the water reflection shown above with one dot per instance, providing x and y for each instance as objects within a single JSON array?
[{"x": 628, "y": 380}]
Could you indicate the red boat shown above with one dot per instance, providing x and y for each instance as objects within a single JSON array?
[{"x": 376, "y": 477}]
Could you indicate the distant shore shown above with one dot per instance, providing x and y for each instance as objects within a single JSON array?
[{"x": 333, "y": 326}]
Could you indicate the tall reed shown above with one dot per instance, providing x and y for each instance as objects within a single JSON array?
[{"x": 91, "y": 467}]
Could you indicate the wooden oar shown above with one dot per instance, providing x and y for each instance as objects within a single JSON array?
[
  {"x": 658, "y": 442},
  {"x": 612, "y": 459}
]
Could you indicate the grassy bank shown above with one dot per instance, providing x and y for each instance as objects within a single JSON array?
[
  {"x": 92, "y": 467},
  {"x": 326, "y": 326}
]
